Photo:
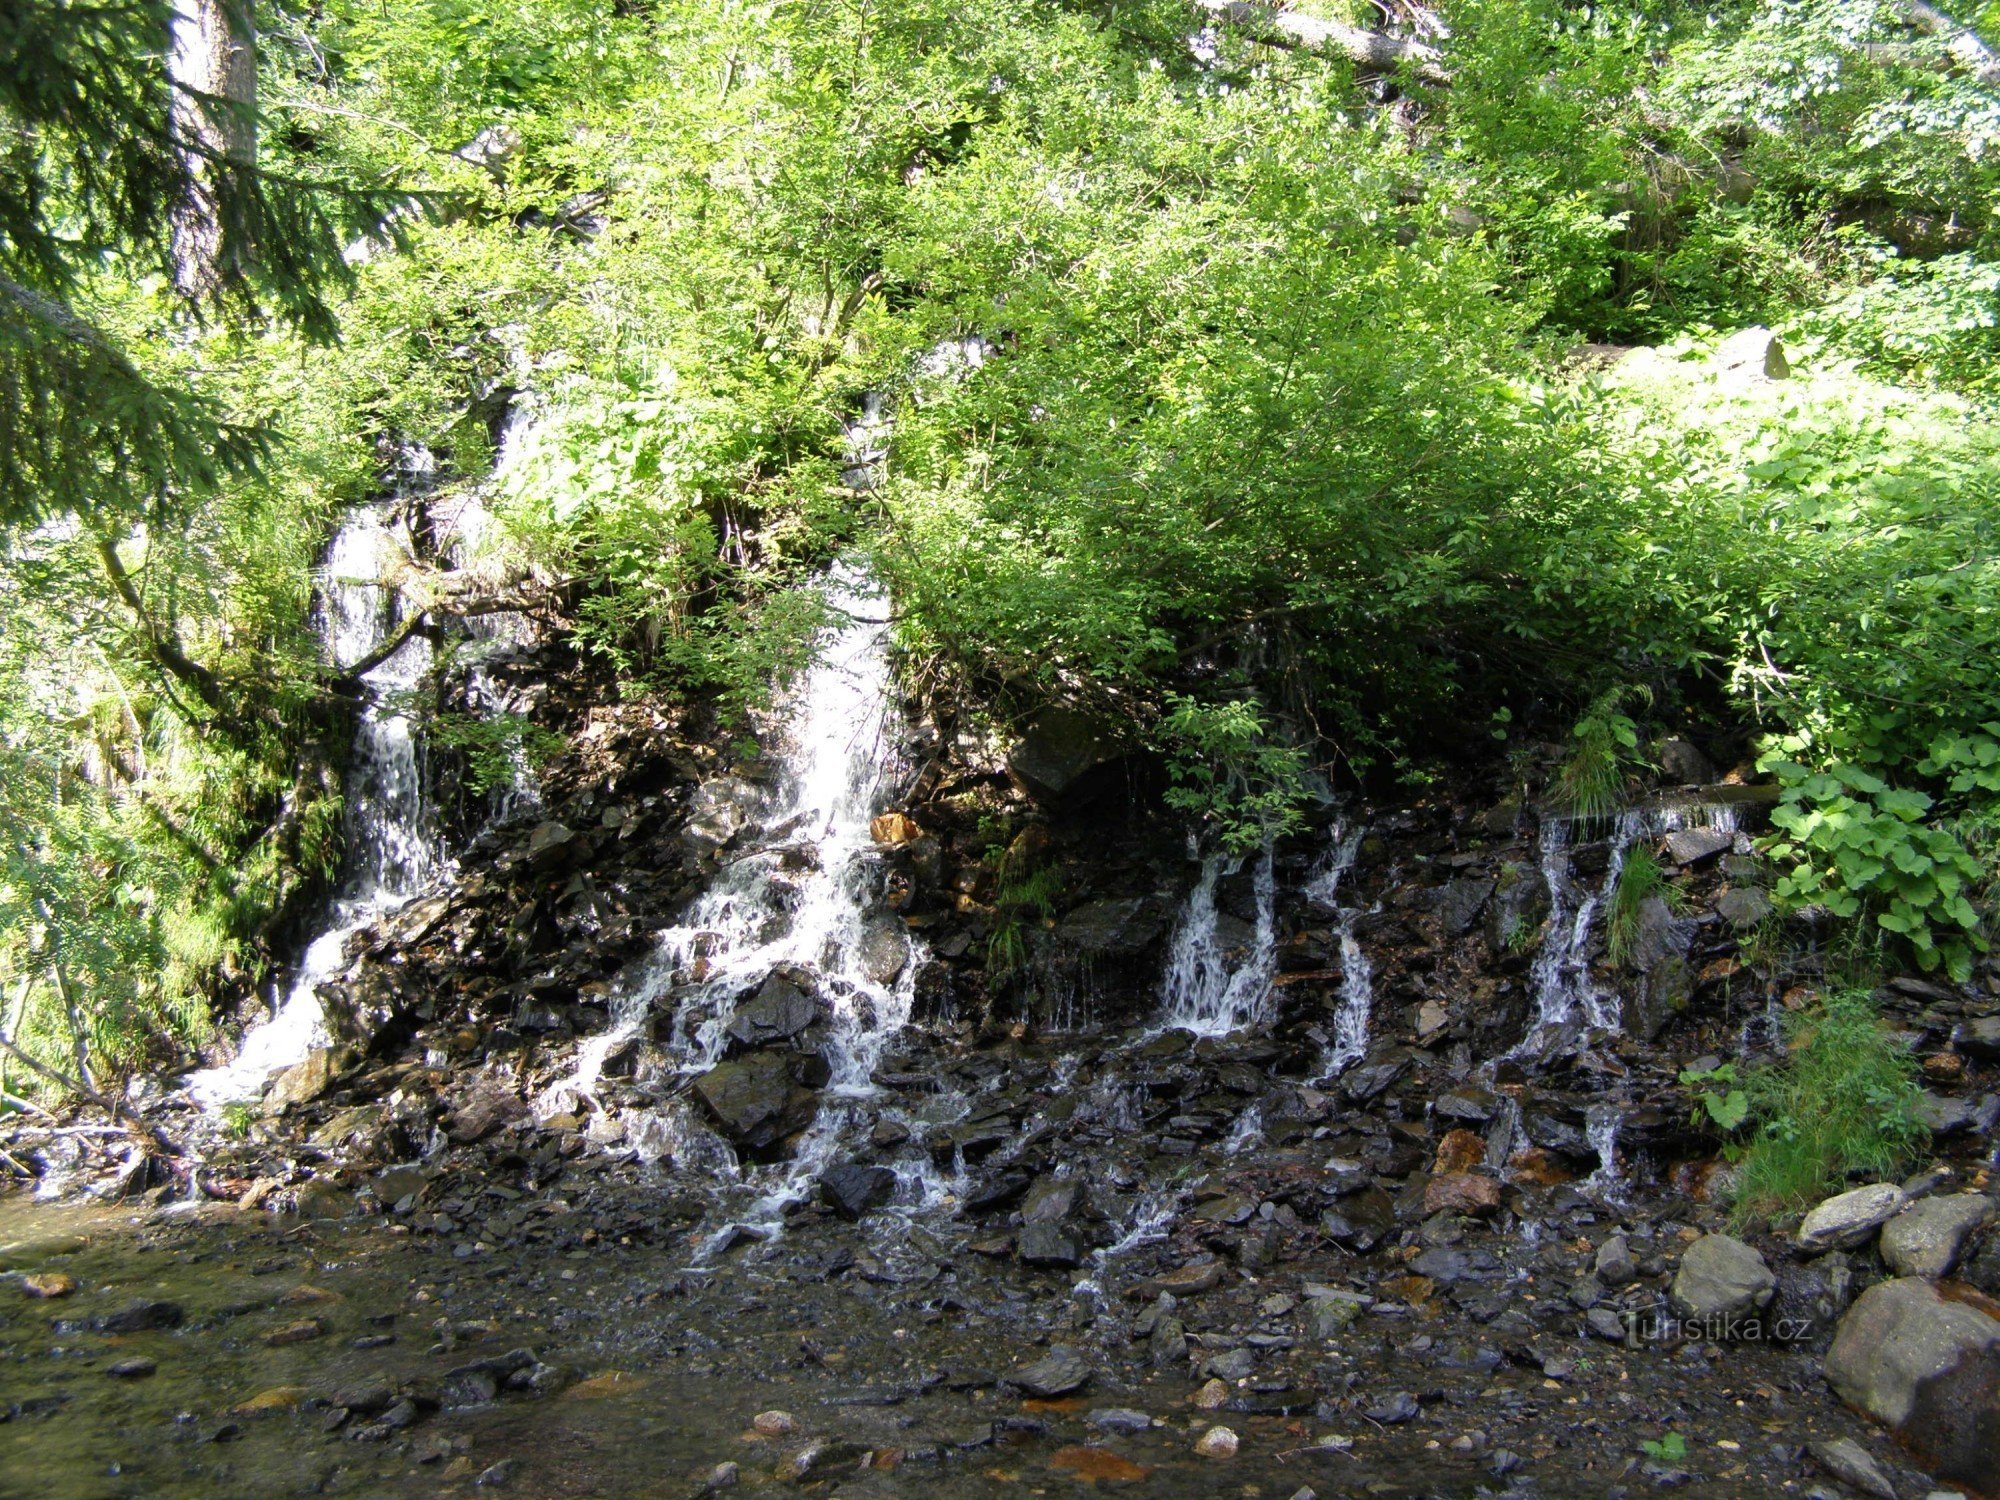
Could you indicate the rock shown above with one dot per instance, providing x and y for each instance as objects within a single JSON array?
[
  {"x": 1850, "y": 1219},
  {"x": 1614, "y": 1265},
  {"x": 817, "y": 1459},
  {"x": 495, "y": 1475},
  {"x": 1217, "y": 1442},
  {"x": 1926, "y": 1238},
  {"x": 723, "y": 1476},
  {"x": 489, "y": 1107},
  {"x": 1606, "y": 1324},
  {"x": 1045, "y": 1244},
  {"x": 1689, "y": 846},
  {"x": 136, "y": 1368},
  {"x": 1056, "y": 1373},
  {"x": 997, "y": 1193},
  {"x": 1055, "y": 756},
  {"x": 1850, "y": 1463},
  {"x": 1213, "y": 1395},
  {"x": 1459, "y": 903},
  {"x": 1397, "y": 1406},
  {"x": 1119, "y": 1419},
  {"x": 1721, "y": 1282},
  {"x": 1375, "y": 1076},
  {"x": 1088, "y": 1464},
  {"x": 1659, "y": 956},
  {"x": 1231, "y": 1364},
  {"x": 1184, "y": 1281},
  {"x": 1743, "y": 906},
  {"x": 1462, "y": 1193},
  {"x": 320, "y": 1199},
  {"x": 1681, "y": 763},
  {"x": 1751, "y": 357},
  {"x": 1122, "y": 928},
  {"x": 774, "y": 1424},
  {"x": 142, "y": 1316},
  {"x": 305, "y": 1080},
  {"x": 551, "y": 846},
  {"x": 1049, "y": 1201},
  {"x": 756, "y": 1100},
  {"x": 1979, "y": 1038},
  {"x": 1459, "y": 1151},
  {"x": 49, "y": 1285},
  {"x": 851, "y": 1190},
  {"x": 1928, "y": 1366},
  {"x": 304, "y": 1331},
  {"x": 882, "y": 951},
  {"x": 894, "y": 829},
  {"x": 779, "y": 1011}
]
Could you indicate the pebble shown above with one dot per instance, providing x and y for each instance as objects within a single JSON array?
[
  {"x": 1211, "y": 1395},
  {"x": 1217, "y": 1442},
  {"x": 134, "y": 1368},
  {"x": 774, "y": 1423},
  {"x": 53, "y": 1284},
  {"x": 302, "y": 1332}
]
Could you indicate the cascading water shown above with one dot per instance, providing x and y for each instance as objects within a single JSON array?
[
  {"x": 391, "y": 841},
  {"x": 1349, "y": 1043},
  {"x": 1212, "y": 987},
  {"x": 798, "y": 896}
]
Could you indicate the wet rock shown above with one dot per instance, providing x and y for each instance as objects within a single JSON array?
[
  {"x": 1459, "y": 903},
  {"x": 1474, "y": 1106},
  {"x": 489, "y": 1107},
  {"x": 1121, "y": 928},
  {"x": 756, "y": 1100},
  {"x": 1850, "y": 1463},
  {"x": 136, "y": 1368},
  {"x": 1927, "y": 1238},
  {"x": 1056, "y": 1373},
  {"x": 774, "y": 1424},
  {"x": 1048, "y": 1245},
  {"x": 1231, "y": 1364},
  {"x": 817, "y": 1459},
  {"x": 49, "y": 1285},
  {"x": 1122, "y": 1419},
  {"x": 997, "y": 1193},
  {"x": 1049, "y": 1201},
  {"x": 1614, "y": 1265},
  {"x": 1689, "y": 846},
  {"x": 142, "y": 1316},
  {"x": 1217, "y": 1442},
  {"x": 303, "y": 1331},
  {"x": 1681, "y": 763},
  {"x": 723, "y": 1476},
  {"x": 1090, "y": 1464},
  {"x": 1979, "y": 1038},
  {"x": 852, "y": 1190},
  {"x": 779, "y": 1011},
  {"x": 1055, "y": 757},
  {"x": 1375, "y": 1076},
  {"x": 1928, "y": 1366},
  {"x": 1184, "y": 1281},
  {"x": 882, "y": 951},
  {"x": 894, "y": 829},
  {"x": 1850, "y": 1219},
  {"x": 1658, "y": 955},
  {"x": 305, "y": 1080},
  {"x": 1463, "y": 1193},
  {"x": 1360, "y": 1221},
  {"x": 1459, "y": 1151},
  {"x": 320, "y": 1199},
  {"x": 1398, "y": 1406},
  {"x": 552, "y": 846},
  {"x": 1722, "y": 1281},
  {"x": 494, "y": 1475}
]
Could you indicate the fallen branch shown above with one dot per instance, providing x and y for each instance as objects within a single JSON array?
[{"x": 1372, "y": 49}]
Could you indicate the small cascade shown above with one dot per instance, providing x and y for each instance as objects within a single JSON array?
[
  {"x": 1567, "y": 995},
  {"x": 1600, "y": 1125},
  {"x": 1213, "y": 987},
  {"x": 391, "y": 838},
  {"x": 797, "y": 896},
  {"x": 1357, "y": 975}
]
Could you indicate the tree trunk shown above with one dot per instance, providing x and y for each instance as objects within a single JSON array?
[
  {"x": 213, "y": 65},
  {"x": 1372, "y": 49}
]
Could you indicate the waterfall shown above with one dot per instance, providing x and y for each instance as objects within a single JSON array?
[
  {"x": 392, "y": 848},
  {"x": 1211, "y": 988},
  {"x": 1357, "y": 975},
  {"x": 798, "y": 893},
  {"x": 1561, "y": 980},
  {"x": 1601, "y": 1124}
]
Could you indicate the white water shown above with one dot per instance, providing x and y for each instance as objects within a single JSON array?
[
  {"x": 1565, "y": 989},
  {"x": 1210, "y": 988},
  {"x": 392, "y": 847},
  {"x": 802, "y": 890},
  {"x": 1601, "y": 1122},
  {"x": 1357, "y": 975}
]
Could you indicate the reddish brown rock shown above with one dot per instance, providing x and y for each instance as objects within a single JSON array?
[{"x": 1462, "y": 1193}]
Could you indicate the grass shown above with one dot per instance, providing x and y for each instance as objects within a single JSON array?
[
  {"x": 1639, "y": 880},
  {"x": 1842, "y": 1105},
  {"x": 1603, "y": 751}
]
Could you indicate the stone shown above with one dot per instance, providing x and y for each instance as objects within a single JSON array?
[
  {"x": 1743, "y": 906},
  {"x": 756, "y": 1100},
  {"x": 1056, "y": 754},
  {"x": 490, "y": 1107},
  {"x": 305, "y": 1080},
  {"x": 1089, "y": 1463},
  {"x": 1213, "y": 1395},
  {"x": 1979, "y": 1038},
  {"x": 1184, "y": 1281},
  {"x": 496, "y": 1474},
  {"x": 1217, "y": 1442},
  {"x": 1849, "y": 1219},
  {"x": 1044, "y": 1244},
  {"x": 1682, "y": 763},
  {"x": 1722, "y": 1281},
  {"x": 1614, "y": 1265},
  {"x": 774, "y": 1424},
  {"x": 1122, "y": 928},
  {"x": 882, "y": 951},
  {"x": 1123, "y": 1419},
  {"x": 1752, "y": 356},
  {"x": 1928, "y": 1366},
  {"x": 894, "y": 829},
  {"x": 1850, "y": 1463},
  {"x": 1927, "y": 1238},
  {"x": 1049, "y": 1201},
  {"x": 142, "y": 1316},
  {"x": 551, "y": 846},
  {"x": 303, "y": 1331},
  {"x": 1688, "y": 846},
  {"x": 49, "y": 1285},
  {"x": 320, "y": 1199},
  {"x": 1375, "y": 1076},
  {"x": 1459, "y": 902},
  {"x": 136, "y": 1368},
  {"x": 1658, "y": 954},
  {"x": 1396, "y": 1407},
  {"x": 817, "y": 1459},
  {"x": 1231, "y": 1364},
  {"x": 1462, "y": 1193},
  {"x": 1459, "y": 1151},
  {"x": 1056, "y": 1373},
  {"x": 852, "y": 1190},
  {"x": 778, "y": 1012}
]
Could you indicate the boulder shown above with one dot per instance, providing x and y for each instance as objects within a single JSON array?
[
  {"x": 1658, "y": 955},
  {"x": 1055, "y": 756},
  {"x": 1850, "y": 1463},
  {"x": 1752, "y": 356},
  {"x": 1722, "y": 1282},
  {"x": 1979, "y": 1038},
  {"x": 1682, "y": 763},
  {"x": 1743, "y": 906},
  {"x": 882, "y": 951},
  {"x": 1462, "y": 1193},
  {"x": 851, "y": 1190},
  {"x": 552, "y": 846},
  {"x": 779, "y": 1011},
  {"x": 894, "y": 829},
  {"x": 1927, "y": 1365},
  {"x": 1850, "y": 1219},
  {"x": 1459, "y": 903},
  {"x": 305, "y": 1080},
  {"x": 1056, "y": 1373},
  {"x": 1048, "y": 1244},
  {"x": 1927, "y": 1238},
  {"x": 1691, "y": 845},
  {"x": 756, "y": 1100}
]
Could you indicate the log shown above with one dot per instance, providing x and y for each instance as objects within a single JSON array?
[{"x": 1372, "y": 49}]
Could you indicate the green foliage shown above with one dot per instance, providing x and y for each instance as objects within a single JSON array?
[
  {"x": 1604, "y": 753},
  {"x": 1843, "y": 1103},
  {"x": 498, "y": 748},
  {"x": 1717, "y": 1100},
  {"x": 1640, "y": 879},
  {"x": 1024, "y": 895},
  {"x": 1671, "y": 1448},
  {"x": 1229, "y": 772}
]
